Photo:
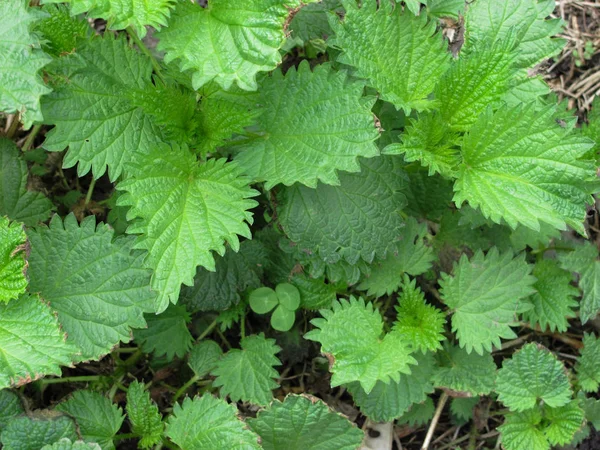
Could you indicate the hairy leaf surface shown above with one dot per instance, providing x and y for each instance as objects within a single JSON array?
[
  {"x": 588, "y": 365},
  {"x": 464, "y": 372},
  {"x": 13, "y": 244},
  {"x": 144, "y": 416}
]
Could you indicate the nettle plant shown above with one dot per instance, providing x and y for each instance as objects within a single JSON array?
[{"x": 414, "y": 210}]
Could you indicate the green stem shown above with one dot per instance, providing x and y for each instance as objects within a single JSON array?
[
  {"x": 146, "y": 52},
  {"x": 207, "y": 331},
  {"x": 223, "y": 338},
  {"x": 185, "y": 387},
  {"x": 126, "y": 350},
  {"x": 123, "y": 436},
  {"x": 170, "y": 445},
  {"x": 79, "y": 379},
  {"x": 14, "y": 126},
  {"x": 29, "y": 141},
  {"x": 90, "y": 191}
]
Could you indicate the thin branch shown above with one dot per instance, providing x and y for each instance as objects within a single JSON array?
[{"x": 436, "y": 417}]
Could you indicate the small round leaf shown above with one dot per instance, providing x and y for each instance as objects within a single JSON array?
[
  {"x": 288, "y": 295},
  {"x": 282, "y": 319},
  {"x": 263, "y": 300}
]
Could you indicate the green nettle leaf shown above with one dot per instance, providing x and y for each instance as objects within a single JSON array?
[
  {"x": 62, "y": 33},
  {"x": 541, "y": 429},
  {"x": 592, "y": 128},
  {"x": 167, "y": 333},
  {"x": 486, "y": 294},
  {"x": 421, "y": 324},
  {"x": 234, "y": 273},
  {"x": 350, "y": 334},
  {"x": 33, "y": 431},
  {"x": 588, "y": 365},
  {"x": 16, "y": 201},
  {"x": 408, "y": 255},
  {"x": 97, "y": 417},
  {"x": 311, "y": 22},
  {"x": 490, "y": 19},
  {"x": 476, "y": 80},
  {"x": 144, "y": 416},
  {"x": 399, "y": 54},
  {"x": 67, "y": 444},
  {"x": 464, "y": 372},
  {"x": 583, "y": 260},
  {"x": 204, "y": 357},
  {"x": 445, "y": 8},
  {"x": 100, "y": 312},
  {"x": 418, "y": 414},
  {"x": 312, "y": 124},
  {"x": 103, "y": 78},
  {"x": 21, "y": 60},
  {"x": 533, "y": 374},
  {"x": 248, "y": 374},
  {"x": 10, "y": 406},
  {"x": 121, "y": 14},
  {"x": 223, "y": 114},
  {"x": 304, "y": 423},
  {"x": 31, "y": 342},
  {"x": 554, "y": 297},
  {"x": 388, "y": 401},
  {"x": 591, "y": 407},
  {"x": 429, "y": 140},
  {"x": 13, "y": 245},
  {"x": 510, "y": 162},
  {"x": 185, "y": 210},
  {"x": 207, "y": 423},
  {"x": 227, "y": 41},
  {"x": 358, "y": 219},
  {"x": 462, "y": 407}
]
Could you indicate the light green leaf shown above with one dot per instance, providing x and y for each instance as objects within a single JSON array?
[
  {"x": 99, "y": 313},
  {"x": 464, "y": 372},
  {"x": 204, "y": 357},
  {"x": 583, "y": 260},
  {"x": 248, "y": 374},
  {"x": 588, "y": 364},
  {"x": 350, "y": 334},
  {"x": 533, "y": 374},
  {"x": 358, "y": 219},
  {"x": 485, "y": 294},
  {"x": 167, "y": 333},
  {"x": 541, "y": 429},
  {"x": 313, "y": 123},
  {"x": 16, "y": 201},
  {"x": 445, "y": 8},
  {"x": 223, "y": 114},
  {"x": 304, "y": 423},
  {"x": 407, "y": 255},
  {"x": 185, "y": 210},
  {"x": 554, "y": 297},
  {"x": 207, "y": 423},
  {"x": 121, "y": 14},
  {"x": 421, "y": 324},
  {"x": 288, "y": 295},
  {"x": 283, "y": 319},
  {"x": 429, "y": 140},
  {"x": 511, "y": 159},
  {"x": 33, "y": 431},
  {"x": 263, "y": 300},
  {"x": 32, "y": 343},
  {"x": 13, "y": 246},
  {"x": 490, "y": 19},
  {"x": 103, "y": 78},
  {"x": 226, "y": 42},
  {"x": 62, "y": 33},
  {"x": 10, "y": 406},
  {"x": 20, "y": 61},
  {"x": 388, "y": 401},
  {"x": 144, "y": 416},
  {"x": 399, "y": 54},
  {"x": 98, "y": 419},
  {"x": 235, "y": 272},
  {"x": 67, "y": 444}
]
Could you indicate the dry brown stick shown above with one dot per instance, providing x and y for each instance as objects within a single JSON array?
[{"x": 436, "y": 417}]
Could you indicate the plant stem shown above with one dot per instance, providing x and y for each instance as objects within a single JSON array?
[
  {"x": 29, "y": 141},
  {"x": 132, "y": 33},
  {"x": 79, "y": 379},
  {"x": 90, "y": 191},
  {"x": 207, "y": 331},
  {"x": 126, "y": 350},
  {"x": 13, "y": 127},
  {"x": 185, "y": 387},
  {"x": 123, "y": 436},
  {"x": 435, "y": 420}
]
